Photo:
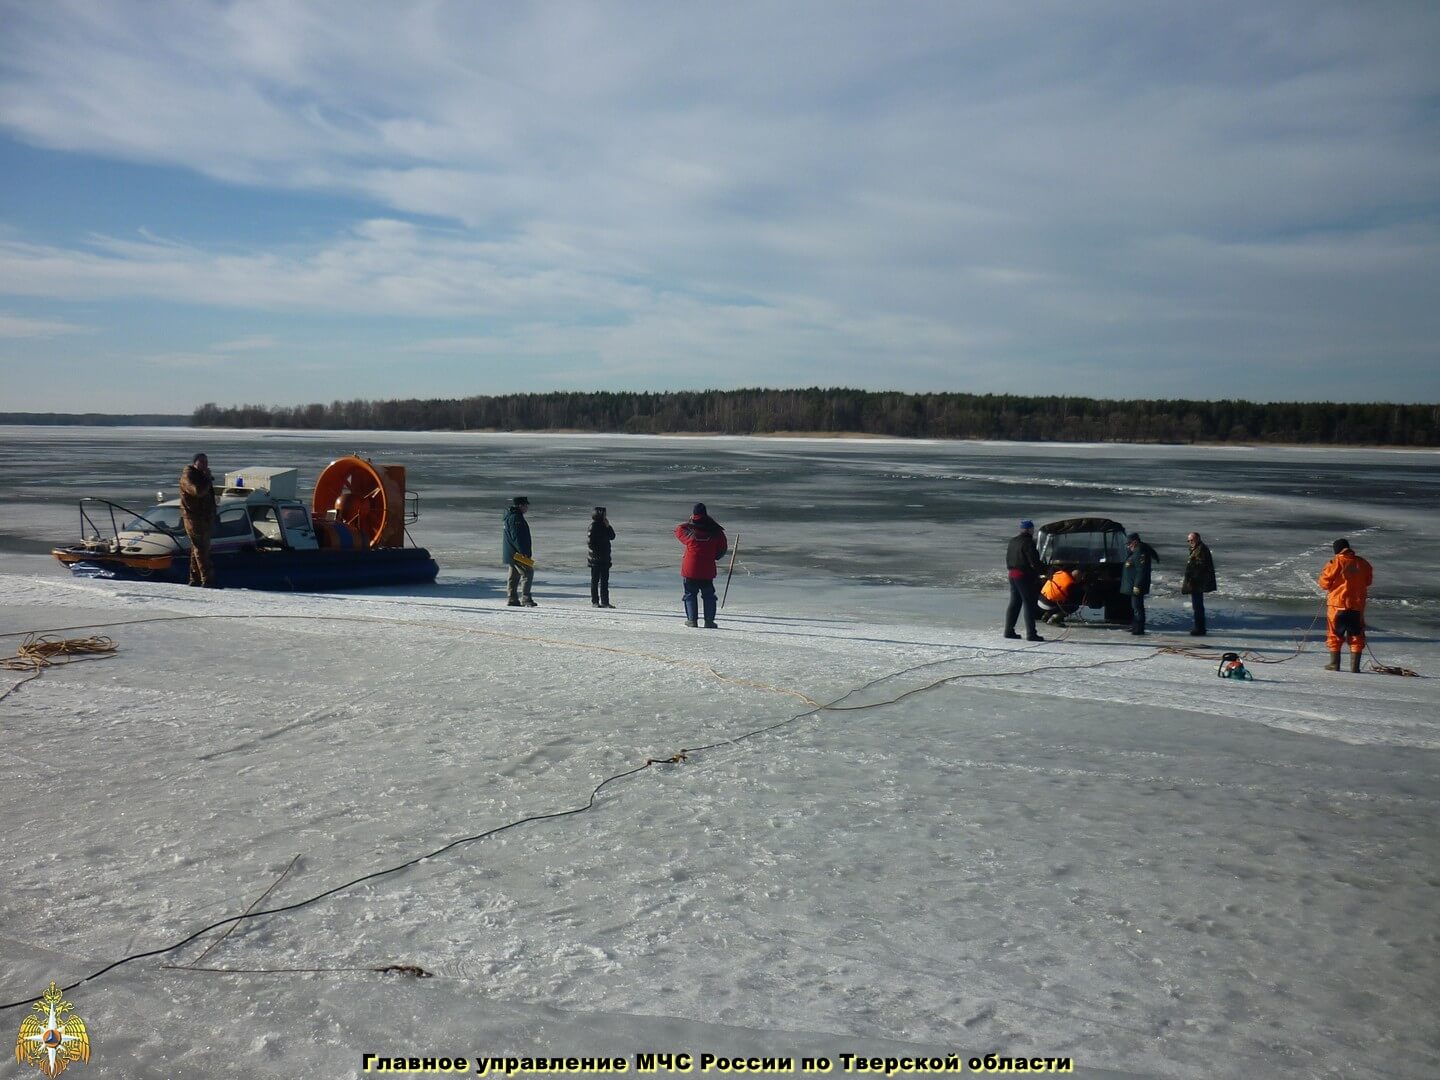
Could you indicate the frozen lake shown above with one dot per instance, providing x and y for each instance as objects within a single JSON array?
[
  {"x": 911, "y": 515},
  {"x": 1088, "y": 848}
]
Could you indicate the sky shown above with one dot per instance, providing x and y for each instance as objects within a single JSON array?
[{"x": 284, "y": 202}]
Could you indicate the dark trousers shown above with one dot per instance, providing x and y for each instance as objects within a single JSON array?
[
  {"x": 600, "y": 584},
  {"x": 1197, "y": 604},
  {"x": 706, "y": 588},
  {"x": 1024, "y": 595},
  {"x": 1137, "y": 612}
]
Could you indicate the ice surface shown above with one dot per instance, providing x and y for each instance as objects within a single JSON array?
[{"x": 1137, "y": 865}]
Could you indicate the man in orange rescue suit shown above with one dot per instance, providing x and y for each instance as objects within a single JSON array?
[
  {"x": 197, "y": 514},
  {"x": 1060, "y": 595},
  {"x": 1347, "y": 579}
]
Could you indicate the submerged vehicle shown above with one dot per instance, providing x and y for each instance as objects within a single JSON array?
[
  {"x": 1095, "y": 546},
  {"x": 351, "y": 536}
]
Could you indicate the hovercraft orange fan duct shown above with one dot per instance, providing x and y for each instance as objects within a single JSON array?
[{"x": 368, "y": 499}]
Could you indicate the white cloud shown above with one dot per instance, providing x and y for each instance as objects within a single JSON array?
[
  {"x": 16, "y": 326},
  {"x": 483, "y": 112},
  {"x": 254, "y": 343},
  {"x": 185, "y": 361},
  {"x": 1041, "y": 184}
]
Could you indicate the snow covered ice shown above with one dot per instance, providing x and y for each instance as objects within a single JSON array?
[{"x": 1084, "y": 848}]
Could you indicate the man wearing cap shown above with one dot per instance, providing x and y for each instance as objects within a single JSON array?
[
  {"x": 705, "y": 544},
  {"x": 1024, "y": 568},
  {"x": 1135, "y": 578},
  {"x": 1198, "y": 579},
  {"x": 1347, "y": 578},
  {"x": 517, "y": 553}
]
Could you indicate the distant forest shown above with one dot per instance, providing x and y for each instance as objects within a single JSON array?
[
  {"x": 841, "y": 411},
  {"x": 91, "y": 419}
]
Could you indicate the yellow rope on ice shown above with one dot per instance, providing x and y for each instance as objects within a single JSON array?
[{"x": 40, "y": 651}]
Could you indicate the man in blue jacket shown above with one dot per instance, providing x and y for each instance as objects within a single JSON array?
[
  {"x": 1135, "y": 579},
  {"x": 517, "y": 553}
]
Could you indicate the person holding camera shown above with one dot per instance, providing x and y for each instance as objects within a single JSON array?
[
  {"x": 705, "y": 544},
  {"x": 197, "y": 514},
  {"x": 597, "y": 555}
]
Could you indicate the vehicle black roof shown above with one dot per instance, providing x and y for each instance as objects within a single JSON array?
[{"x": 1082, "y": 524}]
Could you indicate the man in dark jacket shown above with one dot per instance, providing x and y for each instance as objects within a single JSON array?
[
  {"x": 1198, "y": 579},
  {"x": 197, "y": 514},
  {"x": 1024, "y": 568},
  {"x": 1135, "y": 578},
  {"x": 705, "y": 544},
  {"x": 597, "y": 554},
  {"x": 518, "y": 555}
]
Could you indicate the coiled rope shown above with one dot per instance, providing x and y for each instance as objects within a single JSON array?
[{"x": 41, "y": 651}]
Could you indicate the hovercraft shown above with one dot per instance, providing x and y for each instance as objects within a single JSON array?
[{"x": 352, "y": 536}]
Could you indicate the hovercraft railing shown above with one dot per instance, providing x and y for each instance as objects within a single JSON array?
[{"x": 90, "y": 530}]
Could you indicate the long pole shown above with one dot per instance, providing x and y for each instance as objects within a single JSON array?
[{"x": 733, "y": 552}]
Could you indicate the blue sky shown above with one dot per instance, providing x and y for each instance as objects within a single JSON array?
[{"x": 281, "y": 202}]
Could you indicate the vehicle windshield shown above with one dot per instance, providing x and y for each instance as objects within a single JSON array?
[
  {"x": 164, "y": 518},
  {"x": 1083, "y": 547}
]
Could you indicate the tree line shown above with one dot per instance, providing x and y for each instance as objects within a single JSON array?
[
  {"x": 91, "y": 419},
  {"x": 846, "y": 411}
]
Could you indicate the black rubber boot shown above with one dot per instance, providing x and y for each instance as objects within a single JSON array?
[
  {"x": 1334, "y": 664},
  {"x": 1355, "y": 662}
]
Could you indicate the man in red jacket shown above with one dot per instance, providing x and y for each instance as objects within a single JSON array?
[{"x": 705, "y": 543}]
